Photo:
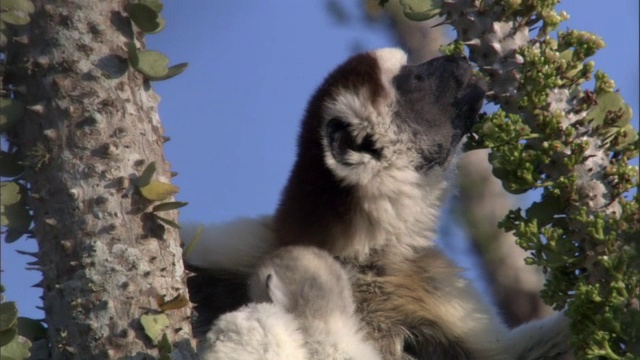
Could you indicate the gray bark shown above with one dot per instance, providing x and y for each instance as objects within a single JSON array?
[{"x": 94, "y": 125}]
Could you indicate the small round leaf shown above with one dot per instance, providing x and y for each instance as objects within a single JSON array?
[
  {"x": 18, "y": 348},
  {"x": 9, "y": 193},
  {"x": 146, "y": 18},
  {"x": 7, "y": 335},
  {"x": 8, "y": 315},
  {"x": 10, "y": 111},
  {"x": 154, "y": 326},
  {"x": 154, "y": 4},
  {"x": 152, "y": 63},
  {"x": 15, "y": 17},
  {"x": 421, "y": 10},
  {"x": 158, "y": 191},
  {"x": 9, "y": 166},
  {"x": 31, "y": 329},
  {"x": 19, "y": 5}
]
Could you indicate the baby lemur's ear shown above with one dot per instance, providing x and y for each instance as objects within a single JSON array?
[{"x": 277, "y": 290}]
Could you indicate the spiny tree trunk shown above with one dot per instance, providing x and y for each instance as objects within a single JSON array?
[{"x": 92, "y": 126}]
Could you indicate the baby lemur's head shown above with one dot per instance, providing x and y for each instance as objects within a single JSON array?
[
  {"x": 304, "y": 281},
  {"x": 375, "y": 144}
]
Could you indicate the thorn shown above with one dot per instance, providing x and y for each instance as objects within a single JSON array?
[
  {"x": 29, "y": 253},
  {"x": 34, "y": 263},
  {"x": 39, "y": 284}
]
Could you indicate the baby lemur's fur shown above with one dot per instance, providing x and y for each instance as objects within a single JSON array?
[
  {"x": 376, "y": 146},
  {"x": 302, "y": 308}
]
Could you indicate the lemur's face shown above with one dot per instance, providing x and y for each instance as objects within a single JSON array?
[
  {"x": 382, "y": 116},
  {"x": 376, "y": 140}
]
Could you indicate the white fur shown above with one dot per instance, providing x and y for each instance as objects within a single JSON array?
[
  {"x": 254, "y": 332},
  {"x": 540, "y": 338},
  {"x": 285, "y": 328},
  {"x": 400, "y": 206},
  {"x": 310, "y": 284},
  {"x": 237, "y": 245},
  {"x": 338, "y": 337}
]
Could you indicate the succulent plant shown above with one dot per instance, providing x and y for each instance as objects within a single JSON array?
[{"x": 574, "y": 144}]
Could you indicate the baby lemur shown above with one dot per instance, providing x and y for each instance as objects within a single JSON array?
[{"x": 302, "y": 309}]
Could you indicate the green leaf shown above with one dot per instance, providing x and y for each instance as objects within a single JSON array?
[
  {"x": 171, "y": 72},
  {"x": 15, "y": 17},
  {"x": 9, "y": 165},
  {"x": 168, "y": 222},
  {"x": 145, "y": 17},
  {"x": 9, "y": 193},
  {"x": 7, "y": 335},
  {"x": 158, "y": 191},
  {"x": 154, "y": 326},
  {"x": 132, "y": 52},
  {"x": 154, "y": 4},
  {"x": 145, "y": 178},
  {"x": 5, "y": 33},
  {"x": 609, "y": 102},
  {"x": 169, "y": 206},
  {"x": 162, "y": 22},
  {"x": 8, "y": 315},
  {"x": 17, "y": 219},
  {"x": 31, "y": 329},
  {"x": 10, "y": 111},
  {"x": 14, "y": 234},
  {"x": 193, "y": 242},
  {"x": 17, "y": 349},
  {"x": 165, "y": 348},
  {"x": 18, "y": 5},
  {"x": 421, "y": 10},
  {"x": 152, "y": 64}
]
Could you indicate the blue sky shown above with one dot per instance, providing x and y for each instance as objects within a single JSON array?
[{"x": 233, "y": 116}]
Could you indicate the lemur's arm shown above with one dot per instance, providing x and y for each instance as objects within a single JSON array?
[{"x": 235, "y": 246}]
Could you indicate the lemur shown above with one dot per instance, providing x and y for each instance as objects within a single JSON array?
[
  {"x": 302, "y": 308},
  {"x": 375, "y": 152}
]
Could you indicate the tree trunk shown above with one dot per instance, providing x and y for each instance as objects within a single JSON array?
[{"x": 91, "y": 128}]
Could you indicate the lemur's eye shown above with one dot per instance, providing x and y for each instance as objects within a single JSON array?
[{"x": 340, "y": 141}]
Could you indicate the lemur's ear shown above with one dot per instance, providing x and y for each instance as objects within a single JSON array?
[
  {"x": 277, "y": 290},
  {"x": 341, "y": 140}
]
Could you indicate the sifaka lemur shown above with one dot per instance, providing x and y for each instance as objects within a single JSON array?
[{"x": 375, "y": 153}]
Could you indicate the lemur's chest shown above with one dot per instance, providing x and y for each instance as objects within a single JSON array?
[{"x": 399, "y": 306}]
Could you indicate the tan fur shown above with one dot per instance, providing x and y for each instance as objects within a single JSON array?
[{"x": 424, "y": 301}]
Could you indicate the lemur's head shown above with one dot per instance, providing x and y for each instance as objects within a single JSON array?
[
  {"x": 376, "y": 140},
  {"x": 305, "y": 281}
]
